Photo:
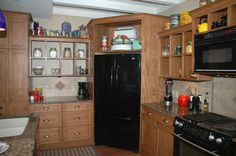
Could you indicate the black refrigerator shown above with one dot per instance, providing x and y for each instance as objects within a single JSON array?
[{"x": 117, "y": 100}]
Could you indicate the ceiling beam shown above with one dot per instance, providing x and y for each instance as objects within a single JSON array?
[{"x": 107, "y": 5}]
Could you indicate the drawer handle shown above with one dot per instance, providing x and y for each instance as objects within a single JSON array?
[
  {"x": 77, "y": 133},
  {"x": 76, "y": 118},
  {"x": 45, "y": 108},
  {"x": 77, "y": 107},
  {"x": 166, "y": 121},
  {"x": 46, "y": 120},
  {"x": 46, "y": 136},
  {"x": 149, "y": 113}
]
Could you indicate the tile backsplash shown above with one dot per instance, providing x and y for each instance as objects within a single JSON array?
[
  {"x": 222, "y": 93},
  {"x": 68, "y": 86}
]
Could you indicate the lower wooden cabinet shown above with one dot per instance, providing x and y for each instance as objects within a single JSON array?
[
  {"x": 64, "y": 124},
  {"x": 156, "y": 136}
]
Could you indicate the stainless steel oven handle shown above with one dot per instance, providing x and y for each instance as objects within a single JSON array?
[{"x": 179, "y": 136}]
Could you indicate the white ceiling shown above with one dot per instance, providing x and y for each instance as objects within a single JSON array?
[{"x": 87, "y": 8}]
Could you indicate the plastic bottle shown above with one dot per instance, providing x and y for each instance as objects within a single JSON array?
[{"x": 206, "y": 102}]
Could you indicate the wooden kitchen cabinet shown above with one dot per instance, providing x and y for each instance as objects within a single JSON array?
[
  {"x": 50, "y": 125},
  {"x": 147, "y": 27},
  {"x": 64, "y": 124},
  {"x": 174, "y": 65},
  {"x": 67, "y": 64},
  {"x": 156, "y": 137},
  {"x": 77, "y": 124},
  {"x": 14, "y": 66}
]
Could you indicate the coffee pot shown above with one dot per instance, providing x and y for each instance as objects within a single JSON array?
[
  {"x": 195, "y": 103},
  {"x": 83, "y": 90}
]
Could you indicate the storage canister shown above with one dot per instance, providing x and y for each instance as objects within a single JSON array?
[
  {"x": 174, "y": 20},
  {"x": 185, "y": 18}
]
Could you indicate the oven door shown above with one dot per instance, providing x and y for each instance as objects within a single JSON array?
[
  {"x": 186, "y": 146},
  {"x": 216, "y": 57}
]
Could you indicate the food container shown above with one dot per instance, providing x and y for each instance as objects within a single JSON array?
[
  {"x": 185, "y": 18},
  {"x": 38, "y": 70},
  {"x": 174, "y": 20},
  {"x": 183, "y": 100}
]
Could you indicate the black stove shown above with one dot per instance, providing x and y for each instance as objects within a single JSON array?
[{"x": 214, "y": 132}]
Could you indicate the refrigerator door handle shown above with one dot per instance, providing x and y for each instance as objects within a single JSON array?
[
  {"x": 111, "y": 76},
  {"x": 117, "y": 74},
  {"x": 123, "y": 118}
]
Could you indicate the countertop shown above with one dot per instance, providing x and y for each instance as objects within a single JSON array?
[
  {"x": 22, "y": 145},
  {"x": 61, "y": 99},
  {"x": 171, "y": 110}
]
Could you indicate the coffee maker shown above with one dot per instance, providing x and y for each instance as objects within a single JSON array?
[
  {"x": 168, "y": 97},
  {"x": 83, "y": 90}
]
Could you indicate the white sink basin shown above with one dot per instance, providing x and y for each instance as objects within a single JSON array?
[{"x": 12, "y": 126}]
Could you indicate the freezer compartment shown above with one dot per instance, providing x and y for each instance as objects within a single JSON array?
[{"x": 117, "y": 131}]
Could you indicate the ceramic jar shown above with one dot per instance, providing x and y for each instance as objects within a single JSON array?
[
  {"x": 189, "y": 47},
  {"x": 53, "y": 52}
]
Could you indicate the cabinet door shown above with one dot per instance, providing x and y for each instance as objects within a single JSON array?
[
  {"x": 148, "y": 137},
  {"x": 165, "y": 142},
  {"x": 18, "y": 31},
  {"x": 18, "y": 79},
  {"x": 4, "y": 81}
]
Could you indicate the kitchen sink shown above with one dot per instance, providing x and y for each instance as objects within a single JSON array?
[{"x": 12, "y": 126}]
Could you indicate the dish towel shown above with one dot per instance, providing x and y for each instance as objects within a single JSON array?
[{"x": 77, "y": 151}]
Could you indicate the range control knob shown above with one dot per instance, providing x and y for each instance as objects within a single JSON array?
[
  {"x": 219, "y": 140},
  {"x": 180, "y": 124},
  {"x": 176, "y": 122},
  {"x": 211, "y": 137}
]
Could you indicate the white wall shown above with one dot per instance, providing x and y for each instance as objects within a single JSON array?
[
  {"x": 222, "y": 91},
  {"x": 185, "y": 6},
  {"x": 55, "y": 22}
]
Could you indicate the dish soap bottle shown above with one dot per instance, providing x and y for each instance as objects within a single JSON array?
[{"x": 206, "y": 102}]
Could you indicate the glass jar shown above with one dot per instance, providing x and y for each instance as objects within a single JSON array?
[
  {"x": 81, "y": 54},
  {"x": 37, "y": 52},
  {"x": 178, "y": 50},
  {"x": 189, "y": 48},
  {"x": 53, "y": 52},
  {"x": 185, "y": 18},
  {"x": 67, "y": 53}
]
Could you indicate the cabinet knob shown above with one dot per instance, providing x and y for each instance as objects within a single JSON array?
[
  {"x": 77, "y": 107},
  {"x": 46, "y": 136},
  {"x": 46, "y": 120},
  {"x": 77, "y": 133},
  {"x": 76, "y": 118},
  {"x": 166, "y": 121},
  {"x": 45, "y": 108},
  {"x": 149, "y": 113}
]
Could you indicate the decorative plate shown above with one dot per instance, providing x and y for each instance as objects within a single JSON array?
[{"x": 3, "y": 147}]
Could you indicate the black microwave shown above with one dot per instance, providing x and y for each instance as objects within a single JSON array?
[{"x": 215, "y": 52}]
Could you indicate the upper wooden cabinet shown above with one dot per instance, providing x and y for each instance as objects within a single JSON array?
[
  {"x": 147, "y": 28},
  {"x": 14, "y": 66},
  {"x": 214, "y": 12},
  {"x": 175, "y": 61},
  {"x": 16, "y": 35}
]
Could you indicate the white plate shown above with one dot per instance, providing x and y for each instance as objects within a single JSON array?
[{"x": 3, "y": 147}]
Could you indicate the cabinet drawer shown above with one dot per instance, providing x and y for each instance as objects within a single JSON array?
[
  {"x": 77, "y": 133},
  {"x": 45, "y": 108},
  {"x": 76, "y": 118},
  {"x": 160, "y": 118},
  {"x": 50, "y": 120},
  {"x": 49, "y": 136},
  {"x": 77, "y": 106}
]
